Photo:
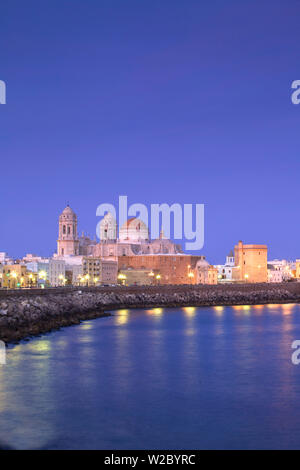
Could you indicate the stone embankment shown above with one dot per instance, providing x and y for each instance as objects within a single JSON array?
[{"x": 32, "y": 312}]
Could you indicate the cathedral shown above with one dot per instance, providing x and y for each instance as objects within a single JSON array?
[{"x": 133, "y": 239}]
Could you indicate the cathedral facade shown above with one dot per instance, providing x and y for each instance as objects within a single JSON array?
[{"x": 133, "y": 239}]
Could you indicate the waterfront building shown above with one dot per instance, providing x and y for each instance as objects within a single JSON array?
[
  {"x": 205, "y": 273},
  {"x": 96, "y": 271},
  {"x": 108, "y": 271},
  {"x": 41, "y": 269},
  {"x": 286, "y": 268},
  {"x": 225, "y": 270},
  {"x": 171, "y": 269},
  {"x": 138, "y": 277},
  {"x": 73, "y": 273},
  {"x": 15, "y": 276},
  {"x": 57, "y": 272},
  {"x": 275, "y": 275},
  {"x": 250, "y": 263}
]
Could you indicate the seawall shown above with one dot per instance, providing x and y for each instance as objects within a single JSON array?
[{"x": 26, "y": 313}]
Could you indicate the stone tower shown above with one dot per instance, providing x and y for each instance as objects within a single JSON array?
[
  {"x": 67, "y": 243},
  {"x": 108, "y": 228}
]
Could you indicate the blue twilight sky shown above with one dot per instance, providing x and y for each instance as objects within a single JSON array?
[{"x": 164, "y": 101}]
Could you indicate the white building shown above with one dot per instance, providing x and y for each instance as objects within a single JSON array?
[
  {"x": 42, "y": 270},
  {"x": 275, "y": 274},
  {"x": 57, "y": 272},
  {"x": 284, "y": 267},
  {"x": 4, "y": 259},
  {"x": 30, "y": 258},
  {"x": 225, "y": 270}
]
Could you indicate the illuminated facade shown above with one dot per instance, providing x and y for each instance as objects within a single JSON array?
[
  {"x": 17, "y": 275},
  {"x": 250, "y": 263},
  {"x": 205, "y": 273},
  {"x": 171, "y": 269}
]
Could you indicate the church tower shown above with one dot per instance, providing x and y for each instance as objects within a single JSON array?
[
  {"x": 67, "y": 243},
  {"x": 108, "y": 228}
]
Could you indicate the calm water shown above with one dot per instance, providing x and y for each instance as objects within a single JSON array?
[{"x": 185, "y": 378}]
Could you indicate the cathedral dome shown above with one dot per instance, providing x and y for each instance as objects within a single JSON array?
[
  {"x": 202, "y": 264},
  {"x": 134, "y": 229}
]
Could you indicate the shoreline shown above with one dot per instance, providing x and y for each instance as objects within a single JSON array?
[{"x": 27, "y": 314}]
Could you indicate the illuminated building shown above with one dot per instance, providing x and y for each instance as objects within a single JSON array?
[{"x": 250, "y": 263}]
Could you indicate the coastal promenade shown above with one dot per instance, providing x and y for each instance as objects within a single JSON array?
[{"x": 29, "y": 312}]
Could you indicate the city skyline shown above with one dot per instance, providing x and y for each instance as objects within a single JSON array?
[
  {"x": 141, "y": 100},
  {"x": 97, "y": 237}
]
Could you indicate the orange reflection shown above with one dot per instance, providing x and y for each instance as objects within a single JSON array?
[
  {"x": 219, "y": 310},
  {"x": 189, "y": 311},
  {"x": 287, "y": 308},
  {"x": 155, "y": 311},
  {"x": 122, "y": 317}
]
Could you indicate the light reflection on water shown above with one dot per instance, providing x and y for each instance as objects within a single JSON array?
[{"x": 218, "y": 377}]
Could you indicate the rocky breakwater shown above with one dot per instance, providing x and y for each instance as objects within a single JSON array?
[
  {"x": 22, "y": 317},
  {"x": 29, "y": 313}
]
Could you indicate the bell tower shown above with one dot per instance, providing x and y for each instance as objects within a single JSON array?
[{"x": 67, "y": 243}]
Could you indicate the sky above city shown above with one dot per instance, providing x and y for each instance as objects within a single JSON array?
[{"x": 163, "y": 101}]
